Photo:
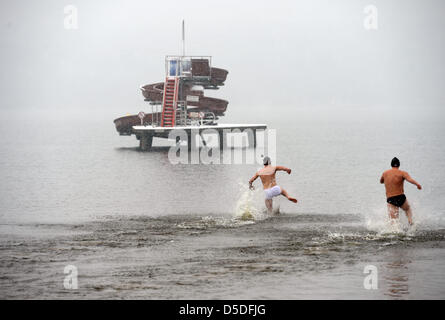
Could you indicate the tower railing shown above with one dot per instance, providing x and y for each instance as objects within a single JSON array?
[
  {"x": 156, "y": 113},
  {"x": 189, "y": 67},
  {"x": 181, "y": 113}
]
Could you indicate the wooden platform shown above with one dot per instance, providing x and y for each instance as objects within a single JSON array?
[{"x": 145, "y": 134}]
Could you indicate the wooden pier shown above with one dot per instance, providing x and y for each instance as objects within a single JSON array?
[{"x": 145, "y": 134}]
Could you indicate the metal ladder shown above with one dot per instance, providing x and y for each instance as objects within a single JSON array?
[{"x": 170, "y": 101}]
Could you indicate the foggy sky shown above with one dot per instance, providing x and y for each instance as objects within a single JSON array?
[{"x": 280, "y": 54}]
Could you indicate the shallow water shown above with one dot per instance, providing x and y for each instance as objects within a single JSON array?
[
  {"x": 180, "y": 257},
  {"x": 137, "y": 226}
]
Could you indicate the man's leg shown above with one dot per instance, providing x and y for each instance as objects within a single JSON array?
[
  {"x": 407, "y": 208},
  {"x": 268, "y": 205},
  {"x": 284, "y": 193},
  {"x": 393, "y": 211}
]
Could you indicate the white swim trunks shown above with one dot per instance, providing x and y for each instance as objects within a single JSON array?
[{"x": 272, "y": 192}]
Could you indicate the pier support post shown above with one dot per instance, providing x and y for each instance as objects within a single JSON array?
[
  {"x": 223, "y": 138},
  {"x": 251, "y": 137},
  {"x": 146, "y": 142},
  {"x": 189, "y": 141}
]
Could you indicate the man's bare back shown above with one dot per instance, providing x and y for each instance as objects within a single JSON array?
[
  {"x": 393, "y": 180},
  {"x": 267, "y": 176}
]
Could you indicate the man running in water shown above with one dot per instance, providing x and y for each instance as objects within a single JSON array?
[
  {"x": 267, "y": 175},
  {"x": 393, "y": 180}
]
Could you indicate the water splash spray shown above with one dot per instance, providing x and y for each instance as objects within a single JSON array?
[
  {"x": 245, "y": 206},
  {"x": 377, "y": 220}
]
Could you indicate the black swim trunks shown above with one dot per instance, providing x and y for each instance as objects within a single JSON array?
[{"x": 397, "y": 201}]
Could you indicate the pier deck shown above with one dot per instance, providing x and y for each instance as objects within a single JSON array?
[{"x": 145, "y": 134}]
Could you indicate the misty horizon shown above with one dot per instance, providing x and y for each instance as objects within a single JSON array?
[{"x": 311, "y": 54}]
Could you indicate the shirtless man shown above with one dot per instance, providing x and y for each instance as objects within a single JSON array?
[
  {"x": 393, "y": 180},
  {"x": 267, "y": 175}
]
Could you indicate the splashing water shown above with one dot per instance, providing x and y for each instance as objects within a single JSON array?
[
  {"x": 245, "y": 208},
  {"x": 245, "y": 213},
  {"x": 379, "y": 222}
]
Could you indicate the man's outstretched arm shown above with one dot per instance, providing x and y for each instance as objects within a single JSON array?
[
  {"x": 411, "y": 180},
  {"x": 281, "y": 168},
  {"x": 252, "y": 180}
]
